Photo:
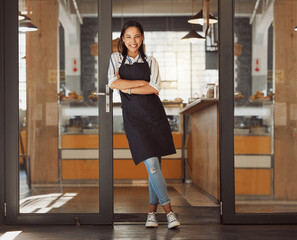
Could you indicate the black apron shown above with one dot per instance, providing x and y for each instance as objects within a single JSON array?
[{"x": 145, "y": 122}]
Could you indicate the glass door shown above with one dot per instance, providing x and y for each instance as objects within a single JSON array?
[
  {"x": 63, "y": 170},
  {"x": 263, "y": 109},
  {"x": 185, "y": 68}
]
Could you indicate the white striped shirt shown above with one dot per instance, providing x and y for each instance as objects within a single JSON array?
[{"x": 116, "y": 61}]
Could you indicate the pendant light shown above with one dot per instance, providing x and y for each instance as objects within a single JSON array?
[
  {"x": 25, "y": 18},
  {"x": 21, "y": 16},
  {"x": 27, "y": 27},
  {"x": 25, "y": 24},
  {"x": 198, "y": 19},
  {"x": 193, "y": 36},
  {"x": 295, "y": 28}
]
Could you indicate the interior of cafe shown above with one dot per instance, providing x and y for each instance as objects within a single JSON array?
[
  {"x": 58, "y": 110},
  {"x": 59, "y": 117}
]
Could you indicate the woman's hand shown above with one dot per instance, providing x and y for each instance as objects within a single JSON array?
[
  {"x": 126, "y": 84},
  {"x": 136, "y": 86},
  {"x": 125, "y": 90},
  {"x": 141, "y": 90}
]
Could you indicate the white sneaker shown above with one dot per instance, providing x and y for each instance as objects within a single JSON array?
[
  {"x": 172, "y": 220},
  {"x": 151, "y": 221}
]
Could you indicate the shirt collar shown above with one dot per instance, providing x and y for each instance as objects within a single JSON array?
[{"x": 134, "y": 59}]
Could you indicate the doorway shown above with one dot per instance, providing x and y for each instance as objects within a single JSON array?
[{"x": 185, "y": 68}]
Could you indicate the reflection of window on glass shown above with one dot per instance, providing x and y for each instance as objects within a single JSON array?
[{"x": 22, "y": 71}]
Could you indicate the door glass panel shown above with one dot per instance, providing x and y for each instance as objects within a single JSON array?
[
  {"x": 58, "y": 112},
  {"x": 265, "y": 106},
  {"x": 185, "y": 69}
]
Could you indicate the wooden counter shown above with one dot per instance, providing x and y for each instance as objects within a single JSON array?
[
  {"x": 198, "y": 105},
  {"x": 203, "y": 145},
  {"x": 252, "y": 154}
]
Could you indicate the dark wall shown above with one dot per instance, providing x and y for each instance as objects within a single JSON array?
[
  {"x": 62, "y": 56},
  {"x": 158, "y": 23},
  {"x": 243, "y": 31},
  {"x": 270, "y": 58},
  {"x": 211, "y": 60},
  {"x": 89, "y": 30},
  {"x": 62, "y": 47}
]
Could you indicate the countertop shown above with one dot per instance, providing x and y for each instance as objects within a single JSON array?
[{"x": 198, "y": 105}]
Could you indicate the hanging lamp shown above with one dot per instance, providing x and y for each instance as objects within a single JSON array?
[
  {"x": 21, "y": 16},
  {"x": 198, "y": 19},
  {"x": 26, "y": 19},
  {"x": 193, "y": 36},
  {"x": 27, "y": 27}
]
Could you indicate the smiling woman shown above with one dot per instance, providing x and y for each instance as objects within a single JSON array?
[
  {"x": 131, "y": 44},
  {"x": 133, "y": 40},
  {"x": 145, "y": 122}
]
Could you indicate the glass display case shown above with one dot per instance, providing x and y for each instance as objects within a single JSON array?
[
  {"x": 253, "y": 149},
  {"x": 82, "y": 117}
]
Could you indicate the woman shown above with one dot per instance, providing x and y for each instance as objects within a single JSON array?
[{"x": 145, "y": 122}]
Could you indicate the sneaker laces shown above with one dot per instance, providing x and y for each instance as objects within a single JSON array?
[
  {"x": 151, "y": 217},
  {"x": 171, "y": 217}
]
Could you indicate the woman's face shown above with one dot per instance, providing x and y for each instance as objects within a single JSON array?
[{"x": 133, "y": 40}]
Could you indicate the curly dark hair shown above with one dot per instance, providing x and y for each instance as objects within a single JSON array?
[{"x": 121, "y": 45}]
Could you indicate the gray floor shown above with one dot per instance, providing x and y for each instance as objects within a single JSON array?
[{"x": 202, "y": 231}]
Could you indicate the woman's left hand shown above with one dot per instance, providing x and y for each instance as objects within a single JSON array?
[{"x": 125, "y": 90}]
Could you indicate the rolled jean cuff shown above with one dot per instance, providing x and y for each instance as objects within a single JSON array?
[
  {"x": 154, "y": 203},
  {"x": 164, "y": 203}
]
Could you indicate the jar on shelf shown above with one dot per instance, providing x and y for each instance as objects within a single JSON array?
[{"x": 211, "y": 90}]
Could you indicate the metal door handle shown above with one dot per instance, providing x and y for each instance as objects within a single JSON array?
[
  {"x": 101, "y": 94},
  {"x": 106, "y": 94}
]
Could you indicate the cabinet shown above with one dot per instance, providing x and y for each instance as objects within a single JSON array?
[{"x": 253, "y": 148}]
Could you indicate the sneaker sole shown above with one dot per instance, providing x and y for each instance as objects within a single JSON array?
[
  {"x": 151, "y": 225},
  {"x": 173, "y": 225}
]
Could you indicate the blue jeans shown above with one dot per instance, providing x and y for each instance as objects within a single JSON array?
[{"x": 157, "y": 184}]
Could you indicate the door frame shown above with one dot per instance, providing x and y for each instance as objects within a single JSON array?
[
  {"x": 2, "y": 179},
  {"x": 226, "y": 115},
  {"x": 10, "y": 191},
  {"x": 9, "y": 125}
]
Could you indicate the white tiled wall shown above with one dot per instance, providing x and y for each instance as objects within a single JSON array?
[{"x": 174, "y": 58}]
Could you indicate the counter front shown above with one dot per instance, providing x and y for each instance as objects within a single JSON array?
[{"x": 202, "y": 143}]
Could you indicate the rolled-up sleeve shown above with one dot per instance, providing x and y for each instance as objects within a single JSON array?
[
  {"x": 155, "y": 79},
  {"x": 113, "y": 68}
]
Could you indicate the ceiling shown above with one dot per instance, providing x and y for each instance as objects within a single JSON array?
[
  {"x": 140, "y": 8},
  {"x": 146, "y": 7},
  {"x": 128, "y": 8}
]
